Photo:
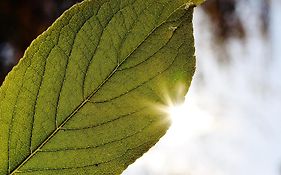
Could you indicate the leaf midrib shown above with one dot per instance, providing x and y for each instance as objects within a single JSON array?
[{"x": 92, "y": 94}]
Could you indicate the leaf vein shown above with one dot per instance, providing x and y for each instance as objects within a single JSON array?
[
  {"x": 100, "y": 124},
  {"x": 100, "y": 145},
  {"x": 85, "y": 166}
]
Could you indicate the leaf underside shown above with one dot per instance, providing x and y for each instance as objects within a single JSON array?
[{"x": 83, "y": 99}]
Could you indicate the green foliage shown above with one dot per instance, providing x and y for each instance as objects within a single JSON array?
[{"x": 83, "y": 99}]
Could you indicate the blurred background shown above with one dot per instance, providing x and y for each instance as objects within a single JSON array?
[{"x": 230, "y": 123}]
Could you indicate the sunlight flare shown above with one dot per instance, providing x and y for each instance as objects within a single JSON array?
[{"x": 188, "y": 118}]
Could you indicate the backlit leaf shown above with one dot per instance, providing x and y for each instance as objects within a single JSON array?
[{"x": 83, "y": 99}]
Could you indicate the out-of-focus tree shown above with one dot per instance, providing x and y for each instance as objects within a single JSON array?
[{"x": 226, "y": 20}]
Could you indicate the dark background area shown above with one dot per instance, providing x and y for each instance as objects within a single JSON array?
[{"x": 21, "y": 22}]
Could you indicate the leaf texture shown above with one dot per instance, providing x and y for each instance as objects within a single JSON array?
[{"x": 82, "y": 99}]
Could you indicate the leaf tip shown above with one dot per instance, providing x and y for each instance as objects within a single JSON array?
[{"x": 191, "y": 3}]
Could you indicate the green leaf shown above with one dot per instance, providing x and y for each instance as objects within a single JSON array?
[{"x": 84, "y": 98}]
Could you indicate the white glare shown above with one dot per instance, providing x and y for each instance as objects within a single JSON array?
[{"x": 189, "y": 120}]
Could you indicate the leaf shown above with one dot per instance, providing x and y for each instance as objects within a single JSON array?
[{"x": 83, "y": 98}]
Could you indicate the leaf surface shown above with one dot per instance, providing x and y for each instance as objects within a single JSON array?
[{"x": 83, "y": 98}]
